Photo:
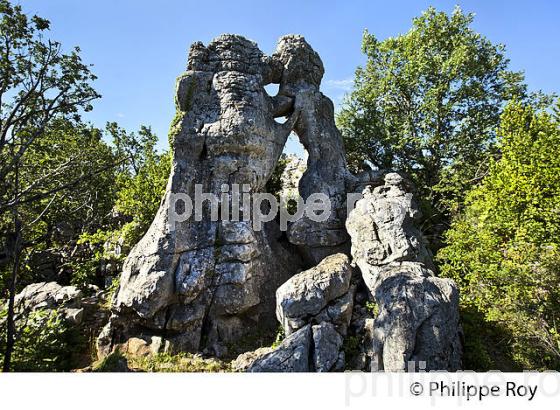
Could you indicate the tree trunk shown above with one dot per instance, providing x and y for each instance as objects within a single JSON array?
[{"x": 11, "y": 325}]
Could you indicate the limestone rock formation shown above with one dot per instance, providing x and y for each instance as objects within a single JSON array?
[
  {"x": 204, "y": 284},
  {"x": 314, "y": 309},
  {"x": 310, "y": 349},
  {"x": 245, "y": 360},
  {"x": 322, "y": 293},
  {"x": 295, "y": 167},
  {"x": 417, "y": 318},
  {"x": 326, "y": 171},
  {"x": 327, "y": 348},
  {"x": 293, "y": 354},
  {"x": 50, "y": 295},
  {"x": 200, "y": 283}
]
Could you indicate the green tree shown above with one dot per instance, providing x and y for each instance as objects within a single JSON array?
[
  {"x": 64, "y": 154},
  {"x": 427, "y": 103},
  {"x": 139, "y": 187},
  {"x": 79, "y": 226},
  {"x": 39, "y": 84},
  {"x": 504, "y": 250},
  {"x": 60, "y": 181}
]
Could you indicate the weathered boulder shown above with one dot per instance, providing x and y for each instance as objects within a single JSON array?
[
  {"x": 245, "y": 360},
  {"x": 417, "y": 325},
  {"x": 322, "y": 293},
  {"x": 48, "y": 296},
  {"x": 327, "y": 353},
  {"x": 140, "y": 347},
  {"x": 293, "y": 354},
  {"x": 314, "y": 308},
  {"x": 316, "y": 348}
]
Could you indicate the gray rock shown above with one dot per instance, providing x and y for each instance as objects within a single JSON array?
[
  {"x": 207, "y": 283},
  {"x": 418, "y": 322},
  {"x": 295, "y": 167},
  {"x": 293, "y": 354},
  {"x": 74, "y": 316},
  {"x": 314, "y": 308},
  {"x": 316, "y": 348},
  {"x": 222, "y": 276},
  {"x": 48, "y": 295},
  {"x": 321, "y": 292},
  {"x": 339, "y": 312},
  {"x": 383, "y": 231},
  {"x": 245, "y": 360},
  {"x": 328, "y": 344},
  {"x": 326, "y": 170}
]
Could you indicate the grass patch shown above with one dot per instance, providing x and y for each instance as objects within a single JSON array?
[{"x": 182, "y": 363}]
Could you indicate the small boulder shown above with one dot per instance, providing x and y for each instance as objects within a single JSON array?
[
  {"x": 316, "y": 348},
  {"x": 48, "y": 295},
  {"x": 322, "y": 292},
  {"x": 245, "y": 360},
  {"x": 328, "y": 348},
  {"x": 74, "y": 316},
  {"x": 291, "y": 356}
]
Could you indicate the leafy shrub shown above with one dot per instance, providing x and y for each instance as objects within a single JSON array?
[
  {"x": 504, "y": 251},
  {"x": 44, "y": 342}
]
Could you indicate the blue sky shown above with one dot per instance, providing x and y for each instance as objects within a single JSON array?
[{"x": 139, "y": 47}]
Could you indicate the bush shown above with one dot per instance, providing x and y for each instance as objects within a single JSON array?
[
  {"x": 44, "y": 342},
  {"x": 504, "y": 250}
]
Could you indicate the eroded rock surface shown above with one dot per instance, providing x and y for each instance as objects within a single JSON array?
[
  {"x": 327, "y": 353},
  {"x": 326, "y": 171},
  {"x": 245, "y": 360},
  {"x": 322, "y": 293},
  {"x": 314, "y": 308},
  {"x": 204, "y": 284},
  {"x": 313, "y": 348},
  {"x": 295, "y": 167},
  {"x": 293, "y": 354},
  {"x": 417, "y": 323},
  {"x": 49, "y": 296}
]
